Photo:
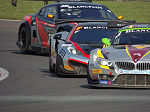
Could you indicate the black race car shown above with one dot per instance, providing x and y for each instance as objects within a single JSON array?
[{"x": 35, "y": 29}]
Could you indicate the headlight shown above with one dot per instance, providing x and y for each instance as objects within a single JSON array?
[
  {"x": 105, "y": 62},
  {"x": 72, "y": 50}
]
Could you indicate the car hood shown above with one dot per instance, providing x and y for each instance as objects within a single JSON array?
[
  {"x": 127, "y": 52},
  {"x": 88, "y": 47}
]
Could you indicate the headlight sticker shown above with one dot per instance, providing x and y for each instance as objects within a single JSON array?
[
  {"x": 103, "y": 66},
  {"x": 99, "y": 53}
]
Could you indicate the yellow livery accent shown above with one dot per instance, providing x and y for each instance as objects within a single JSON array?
[
  {"x": 131, "y": 26},
  {"x": 79, "y": 28},
  {"x": 140, "y": 47},
  {"x": 103, "y": 66},
  {"x": 128, "y": 51},
  {"x": 97, "y": 71},
  {"x": 105, "y": 45},
  {"x": 50, "y": 16},
  {"x": 68, "y": 67},
  {"x": 146, "y": 54},
  {"x": 99, "y": 54}
]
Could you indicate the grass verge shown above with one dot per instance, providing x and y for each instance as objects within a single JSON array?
[{"x": 133, "y": 10}]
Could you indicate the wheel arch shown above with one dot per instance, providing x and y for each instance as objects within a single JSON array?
[{"x": 25, "y": 24}]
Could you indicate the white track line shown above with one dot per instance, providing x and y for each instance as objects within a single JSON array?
[
  {"x": 3, "y": 74},
  {"x": 103, "y": 98}
]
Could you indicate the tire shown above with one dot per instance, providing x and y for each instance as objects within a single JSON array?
[
  {"x": 23, "y": 40},
  {"x": 57, "y": 67},
  {"x": 50, "y": 65},
  {"x": 88, "y": 76}
]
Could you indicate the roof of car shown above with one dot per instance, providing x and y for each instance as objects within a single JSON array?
[
  {"x": 76, "y": 3},
  {"x": 93, "y": 23}
]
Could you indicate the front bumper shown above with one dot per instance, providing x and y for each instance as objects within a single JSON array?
[
  {"x": 76, "y": 64},
  {"x": 123, "y": 80}
]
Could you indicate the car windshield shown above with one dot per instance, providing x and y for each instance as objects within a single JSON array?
[
  {"x": 133, "y": 37},
  {"x": 86, "y": 12},
  {"x": 92, "y": 34}
]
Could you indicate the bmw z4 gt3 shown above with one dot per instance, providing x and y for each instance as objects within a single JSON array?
[{"x": 126, "y": 62}]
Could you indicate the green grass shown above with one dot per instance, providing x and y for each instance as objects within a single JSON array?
[{"x": 134, "y": 10}]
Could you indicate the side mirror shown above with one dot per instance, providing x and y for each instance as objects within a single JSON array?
[
  {"x": 120, "y": 17},
  {"x": 106, "y": 41},
  {"x": 61, "y": 36},
  {"x": 57, "y": 36},
  {"x": 50, "y": 16}
]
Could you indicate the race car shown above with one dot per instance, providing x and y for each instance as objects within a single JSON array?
[
  {"x": 35, "y": 29},
  {"x": 125, "y": 62},
  {"x": 70, "y": 51}
]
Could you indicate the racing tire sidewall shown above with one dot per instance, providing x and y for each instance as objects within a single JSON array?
[
  {"x": 50, "y": 63},
  {"x": 23, "y": 36},
  {"x": 57, "y": 67}
]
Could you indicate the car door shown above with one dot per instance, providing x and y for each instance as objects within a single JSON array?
[{"x": 45, "y": 25}]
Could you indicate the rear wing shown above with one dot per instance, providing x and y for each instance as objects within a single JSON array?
[
  {"x": 111, "y": 23},
  {"x": 120, "y": 24}
]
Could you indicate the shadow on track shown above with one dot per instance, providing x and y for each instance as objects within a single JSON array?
[
  {"x": 116, "y": 88},
  {"x": 8, "y": 50},
  {"x": 31, "y": 53},
  {"x": 52, "y": 74}
]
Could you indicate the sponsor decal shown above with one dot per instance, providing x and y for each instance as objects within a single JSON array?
[
  {"x": 94, "y": 27},
  {"x": 138, "y": 30},
  {"x": 66, "y": 45},
  {"x": 80, "y": 7},
  {"x": 97, "y": 71},
  {"x": 134, "y": 72},
  {"x": 89, "y": 28},
  {"x": 104, "y": 82},
  {"x": 68, "y": 67}
]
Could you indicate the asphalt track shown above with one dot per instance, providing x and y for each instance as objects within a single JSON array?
[{"x": 30, "y": 88}]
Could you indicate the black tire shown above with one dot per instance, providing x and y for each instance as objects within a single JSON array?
[
  {"x": 23, "y": 40},
  {"x": 50, "y": 65},
  {"x": 57, "y": 67},
  {"x": 88, "y": 76}
]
